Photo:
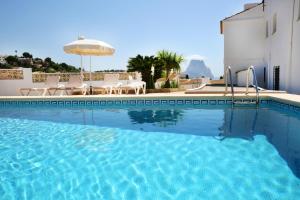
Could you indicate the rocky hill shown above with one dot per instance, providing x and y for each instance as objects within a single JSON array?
[{"x": 197, "y": 68}]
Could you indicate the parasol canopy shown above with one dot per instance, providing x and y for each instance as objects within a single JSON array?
[{"x": 89, "y": 47}]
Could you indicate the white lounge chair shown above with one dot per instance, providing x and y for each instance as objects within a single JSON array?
[
  {"x": 75, "y": 84},
  {"x": 110, "y": 83},
  {"x": 134, "y": 84},
  {"x": 51, "y": 84}
]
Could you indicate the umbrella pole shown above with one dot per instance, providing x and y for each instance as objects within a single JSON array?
[
  {"x": 91, "y": 90},
  {"x": 81, "y": 72}
]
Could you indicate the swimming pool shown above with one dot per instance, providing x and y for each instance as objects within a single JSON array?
[{"x": 169, "y": 150}]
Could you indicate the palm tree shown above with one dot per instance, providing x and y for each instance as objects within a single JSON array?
[
  {"x": 144, "y": 64},
  {"x": 170, "y": 61}
]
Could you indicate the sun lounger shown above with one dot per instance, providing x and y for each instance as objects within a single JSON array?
[
  {"x": 75, "y": 84},
  {"x": 134, "y": 84},
  {"x": 110, "y": 83},
  {"x": 51, "y": 84}
]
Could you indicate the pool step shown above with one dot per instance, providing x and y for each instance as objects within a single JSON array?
[{"x": 243, "y": 103}]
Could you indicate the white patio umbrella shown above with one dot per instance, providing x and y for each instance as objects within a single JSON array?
[{"x": 88, "y": 47}]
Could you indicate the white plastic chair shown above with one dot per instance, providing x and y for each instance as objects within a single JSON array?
[
  {"x": 110, "y": 83},
  {"x": 75, "y": 83},
  {"x": 51, "y": 83},
  {"x": 134, "y": 84}
]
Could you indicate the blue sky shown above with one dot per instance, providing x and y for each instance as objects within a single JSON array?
[{"x": 188, "y": 27}]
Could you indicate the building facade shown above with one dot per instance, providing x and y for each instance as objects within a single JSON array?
[
  {"x": 267, "y": 36},
  {"x": 2, "y": 59}
]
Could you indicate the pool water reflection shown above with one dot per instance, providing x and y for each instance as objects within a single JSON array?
[{"x": 162, "y": 148}]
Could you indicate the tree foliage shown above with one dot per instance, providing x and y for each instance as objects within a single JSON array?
[
  {"x": 11, "y": 60},
  {"x": 27, "y": 55},
  {"x": 37, "y": 64},
  {"x": 143, "y": 64},
  {"x": 163, "y": 117},
  {"x": 171, "y": 61},
  {"x": 165, "y": 61},
  {"x": 48, "y": 60}
]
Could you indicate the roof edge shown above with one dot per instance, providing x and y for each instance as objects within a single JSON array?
[{"x": 246, "y": 10}]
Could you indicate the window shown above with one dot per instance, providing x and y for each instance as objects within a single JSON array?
[
  {"x": 267, "y": 29},
  {"x": 276, "y": 78},
  {"x": 299, "y": 10},
  {"x": 274, "y": 23}
]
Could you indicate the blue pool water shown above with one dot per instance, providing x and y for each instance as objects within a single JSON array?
[{"x": 162, "y": 152}]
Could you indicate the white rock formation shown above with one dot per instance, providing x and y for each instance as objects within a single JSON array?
[{"x": 196, "y": 68}]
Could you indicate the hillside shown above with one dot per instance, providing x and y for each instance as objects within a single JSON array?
[{"x": 37, "y": 64}]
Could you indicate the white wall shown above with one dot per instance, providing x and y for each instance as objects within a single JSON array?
[
  {"x": 294, "y": 84},
  {"x": 278, "y": 44},
  {"x": 242, "y": 78},
  {"x": 245, "y": 39},
  {"x": 11, "y": 87},
  {"x": 244, "y": 42}
]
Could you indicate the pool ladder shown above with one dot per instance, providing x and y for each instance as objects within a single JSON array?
[{"x": 228, "y": 72}]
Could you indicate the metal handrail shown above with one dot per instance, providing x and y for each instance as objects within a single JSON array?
[
  {"x": 228, "y": 71},
  {"x": 251, "y": 68}
]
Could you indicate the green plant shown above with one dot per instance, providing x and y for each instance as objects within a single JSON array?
[
  {"x": 5, "y": 66},
  {"x": 27, "y": 55},
  {"x": 173, "y": 84},
  {"x": 162, "y": 118},
  {"x": 37, "y": 64},
  {"x": 11, "y": 60},
  {"x": 170, "y": 61},
  {"x": 48, "y": 60},
  {"x": 143, "y": 64}
]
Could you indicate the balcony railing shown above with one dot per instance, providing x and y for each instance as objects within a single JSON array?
[{"x": 11, "y": 74}]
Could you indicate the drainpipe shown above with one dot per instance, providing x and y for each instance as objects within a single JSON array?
[{"x": 288, "y": 81}]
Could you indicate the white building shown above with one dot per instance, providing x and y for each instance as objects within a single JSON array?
[
  {"x": 267, "y": 36},
  {"x": 2, "y": 59}
]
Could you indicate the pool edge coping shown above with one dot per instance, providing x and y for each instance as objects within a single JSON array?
[{"x": 282, "y": 98}]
